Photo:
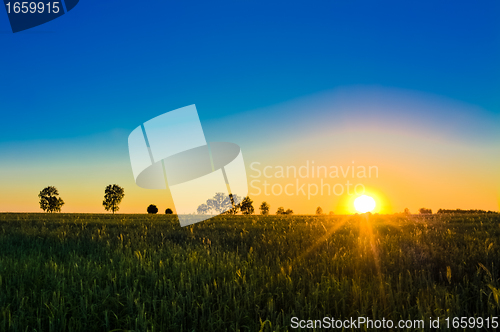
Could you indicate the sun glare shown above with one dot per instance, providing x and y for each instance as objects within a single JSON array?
[{"x": 364, "y": 204}]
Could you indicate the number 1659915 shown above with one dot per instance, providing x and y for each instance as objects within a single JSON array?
[{"x": 33, "y": 7}]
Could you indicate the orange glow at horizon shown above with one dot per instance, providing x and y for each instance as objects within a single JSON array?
[{"x": 422, "y": 159}]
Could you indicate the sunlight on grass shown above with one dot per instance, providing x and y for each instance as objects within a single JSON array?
[{"x": 241, "y": 273}]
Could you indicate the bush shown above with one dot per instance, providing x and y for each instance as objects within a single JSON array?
[
  {"x": 281, "y": 211},
  {"x": 169, "y": 211},
  {"x": 152, "y": 209},
  {"x": 425, "y": 211}
]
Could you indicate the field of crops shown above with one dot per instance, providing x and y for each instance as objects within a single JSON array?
[{"x": 89, "y": 272}]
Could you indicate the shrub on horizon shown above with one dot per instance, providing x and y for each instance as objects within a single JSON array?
[{"x": 152, "y": 209}]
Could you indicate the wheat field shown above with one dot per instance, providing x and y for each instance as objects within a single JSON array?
[{"x": 101, "y": 272}]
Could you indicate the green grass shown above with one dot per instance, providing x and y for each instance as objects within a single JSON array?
[{"x": 84, "y": 272}]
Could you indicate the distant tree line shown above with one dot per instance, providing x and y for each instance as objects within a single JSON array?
[
  {"x": 220, "y": 204},
  {"x": 319, "y": 211},
  {"x": 281, "y": 211},
  {"x": 233, "y": 204},
  {"x": 464, "y": 211},
  {"x": 425, "y": 211},
  {"x": 448, "y": 211},
  {"x": 226, "y": 204}
]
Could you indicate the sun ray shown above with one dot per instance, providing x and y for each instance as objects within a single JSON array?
[
  {"x": 366, "y": 231},
  {"x": 328, "y": 233}
]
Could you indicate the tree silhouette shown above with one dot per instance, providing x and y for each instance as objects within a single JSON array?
[
  {"x": 407, "y": 211},
  {"x": 247, "y": 206},
  {"x": 220, "y": 203},
  {"x": 169, "y": 211},
  {"x": 264, "y": 208},
  {"x": 203, "y": 209},
  {"x": 319, "y": 210},
  {"x": 49, "y": 202},
  {"x": 235, "y": 201},
  {"x": 113, "y": 195},
  {"x": 152, "y": 209},
  {"x": 281, "y": 211}
]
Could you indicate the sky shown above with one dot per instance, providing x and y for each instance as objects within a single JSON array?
[{"x": 408, "y": 87}]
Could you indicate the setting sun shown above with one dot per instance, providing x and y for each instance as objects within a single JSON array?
[{"x": 364, "y": 204}]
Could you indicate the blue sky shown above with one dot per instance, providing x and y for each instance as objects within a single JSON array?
[
  {"x": 114, "y": 64},
  {"x": 106, "y": 67}
]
